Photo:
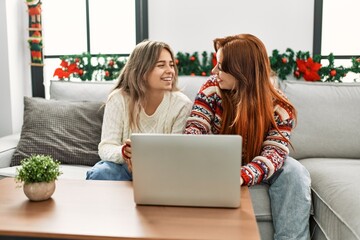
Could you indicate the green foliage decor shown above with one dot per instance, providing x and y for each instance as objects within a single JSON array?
[
  {"x": 87, "y": 67},
  {"x": 190, "y": 64},
  {"x": 107, "y": 67},
  {"x": 300, "y": 65},
  {"x": 38, "y": 168}
]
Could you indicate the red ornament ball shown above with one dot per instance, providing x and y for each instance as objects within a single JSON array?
[
  {"x": 284, "y": 60},
  {"x": 333, "y": 73}
]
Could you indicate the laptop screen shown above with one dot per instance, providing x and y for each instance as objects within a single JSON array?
[{"x": 186, "y": 170}]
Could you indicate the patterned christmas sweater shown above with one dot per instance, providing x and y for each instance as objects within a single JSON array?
[{"x": 205, "y": 118}]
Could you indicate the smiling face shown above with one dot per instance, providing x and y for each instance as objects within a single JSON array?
[
  {"x": 226, "y": 80},
  {"x": 161, "y": 78}
]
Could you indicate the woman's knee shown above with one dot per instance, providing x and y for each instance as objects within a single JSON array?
[
  {"x": 294, "y": 169},
  {"x": 106, "y": 170}
]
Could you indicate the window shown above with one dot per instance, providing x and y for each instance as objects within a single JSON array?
[
  {"x": 92, "y": 26},
  {"x": 336, "y": 33}
]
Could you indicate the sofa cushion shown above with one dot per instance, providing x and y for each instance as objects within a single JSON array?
[
  {"x": 7, "y": 148},
  {"x": 261, "y": 204},
  {"x": 328, "y": 116},
  {"x": 99, "y": 91},
  {"x": 336, "y": 196},
  {"x": 81, "y": 91},
  {"x": 68, "y": 172},
  {"x": 68, "y": 131}
]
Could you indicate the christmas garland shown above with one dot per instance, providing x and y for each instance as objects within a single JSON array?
[
  {"x": 107, "y": 67},
  {"x": 300, "y": 65},
  {"x": 86, "y": 67}
]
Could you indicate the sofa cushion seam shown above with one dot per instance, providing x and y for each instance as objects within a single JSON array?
[
  {"x": 7, "y": 150},
  {"x": 336, "y": 214},
  {"x": 319, "y": 226}
]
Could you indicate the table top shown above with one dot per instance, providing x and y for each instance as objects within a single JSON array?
[{"x": 81, "y": 209}]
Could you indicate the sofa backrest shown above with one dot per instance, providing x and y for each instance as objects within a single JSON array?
[
  {"x": 328, "y": 119},
  {"x": 98, "y": 91},
  {"x": 328, "y": 113},
  {"x": 80, "y": 91}
]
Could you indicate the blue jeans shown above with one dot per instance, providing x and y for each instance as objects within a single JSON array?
[
  {"x": 290, "y": 198},
  {"x": 106, "y": 170}
]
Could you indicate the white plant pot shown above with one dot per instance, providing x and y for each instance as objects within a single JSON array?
[{"x": 39, "y": 191}]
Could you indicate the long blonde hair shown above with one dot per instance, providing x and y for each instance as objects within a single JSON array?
[
  {"x": 132, "y": 80},
  {"x": 248, "y": 110}
]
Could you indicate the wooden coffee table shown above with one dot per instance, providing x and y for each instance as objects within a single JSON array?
[{"x": 81, "y": 209}]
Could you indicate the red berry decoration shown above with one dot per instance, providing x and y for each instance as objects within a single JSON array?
[
  {"x": 81, "y": 72},
  {"x": 297, "y": 74},
  {"x": 107, "y": 73},
  {"x": 111, "y": 63},
  {"x": 177, "y": 61},
  {"x": 192, "y": 58},
  {"x": 284, "y": 60},
  {"x": 333, "y": 73},
  {"x": 203, "y": 74}
]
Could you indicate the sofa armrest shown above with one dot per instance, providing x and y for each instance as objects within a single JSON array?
[{"x": 7, "y": 148}]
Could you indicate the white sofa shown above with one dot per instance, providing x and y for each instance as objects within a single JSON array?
[{"x": 326, "y": 141}]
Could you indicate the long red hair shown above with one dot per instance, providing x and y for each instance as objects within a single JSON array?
[{"x": 248, "y": 110}]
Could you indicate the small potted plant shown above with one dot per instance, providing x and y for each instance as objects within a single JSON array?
[{"x": 38, "y": 174}]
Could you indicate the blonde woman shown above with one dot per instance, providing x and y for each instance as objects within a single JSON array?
[{"x": 146, "y": 99}]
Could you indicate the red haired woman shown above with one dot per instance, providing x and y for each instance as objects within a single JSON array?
[{"x": 240, "y": 98}]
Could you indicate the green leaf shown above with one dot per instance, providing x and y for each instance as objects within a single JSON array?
[{"x": 38, "y": 168}]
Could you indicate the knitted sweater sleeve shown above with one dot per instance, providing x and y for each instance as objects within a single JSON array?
[
  {"x": 206, "y": 111},
  {"x": 274, "y": 149},
  {"x": 182, "y": 106},
  {"x": 112, "y": 129}
]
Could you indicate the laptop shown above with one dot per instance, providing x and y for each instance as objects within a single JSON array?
[{"x": 186, "y": 170}]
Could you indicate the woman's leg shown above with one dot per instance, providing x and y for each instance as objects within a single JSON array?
[
  {"x": 290, "y": 197},
  {"x": 106, "y": 170}
]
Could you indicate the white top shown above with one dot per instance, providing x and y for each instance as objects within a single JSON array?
[{"x": 169, "y": 117}]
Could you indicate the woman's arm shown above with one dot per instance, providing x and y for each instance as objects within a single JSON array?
[
  {"x": 205, "y": 113},
  {"x": 179, "y": 123},
  {"x": 112, "y": 129},
  {"x": 274, "y": 150}
]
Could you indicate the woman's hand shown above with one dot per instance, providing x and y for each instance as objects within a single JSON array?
[{"x": 126, "y": 152}]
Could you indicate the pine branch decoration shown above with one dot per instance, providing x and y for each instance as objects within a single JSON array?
[{"x": 107, "y": 67}]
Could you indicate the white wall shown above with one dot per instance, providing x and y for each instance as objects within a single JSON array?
[
  {"x": 191, "y": 25},
  {"x": 187, "y": 25},
  {"x": 5, "y": 103},
  {"x": 14, "y": 65}
]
